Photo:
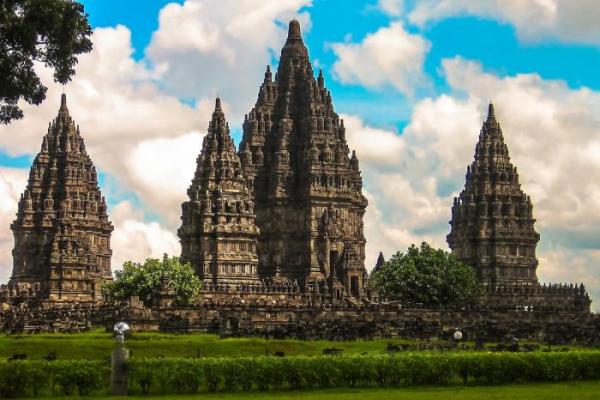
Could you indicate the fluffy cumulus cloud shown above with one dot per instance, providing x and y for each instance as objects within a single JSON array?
[
  {"x": 553, "y": 134},
  {"x": 411, "y": 176},
  {"x": 135, "y": 240},
  {"x": 122, "y": 114},
  {"x": 389, "y": 56},
  {"x": 564, "y": 20},
  {"x": 222, "y": 47},
  {"x": 137, "y": 129},
  {"x": 133, "y": 131},
  {"x": 391, "y": 7},
  {"x": 12, "y": 182}
]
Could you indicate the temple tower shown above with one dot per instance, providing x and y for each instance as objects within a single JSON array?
[
  {"x": 307, "y": 184},
  {"x": 218, "y": 233},
  {"x": 379, "y": 263},
  {"x": 492, "y": 219},
  {"x": 62, "y": 232}
]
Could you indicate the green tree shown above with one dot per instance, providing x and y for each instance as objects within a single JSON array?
[
  {"x": 50, "y": 32},
  {"x": 428, "y": 276},
  {"x": 145, "y": 280}
]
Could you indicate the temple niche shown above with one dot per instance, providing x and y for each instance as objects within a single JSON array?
[
  {"x": 492, "y": 219},
  {"x": 218, "y": 234},
  {"x": 62, "y": 232},
  {"x": 306, "y": 183}
]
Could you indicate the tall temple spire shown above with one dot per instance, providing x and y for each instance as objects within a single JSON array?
[
  {"x": 62, "y": 232},
  {"x": 492, "y": 221},
  {"x": 218, "y": 109},
  {"x": 63, "y": 111},
  {"x": 294, "y": 54},
  {"x": 218, "y": 233},
  {"x": 294, "y": 32},
  {"x": 308, "y": 189},
  {"x": 380, "y": 262},
  {"x": 491, "y": 115}
]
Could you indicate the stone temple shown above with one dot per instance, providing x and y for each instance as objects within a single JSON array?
[
  {"x": 492, "y": 219},
  {"x": 62, "y": 232},
  {"x": 275, "y": 230},
  {"x": 305, "y": 186},
  {"x": 219, "y": 235}
]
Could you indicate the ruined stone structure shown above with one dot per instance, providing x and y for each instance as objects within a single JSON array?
[
  {"x": 492, "y": 219},
  {"x": 307, "y": 187},
  {"x": 275, "y": 230},
  {"x": 218, "y": 233},
  {"x": 62, "y": 232},
  {"x": 278, "y": 311},
  {"x": 379, "y": 263}
]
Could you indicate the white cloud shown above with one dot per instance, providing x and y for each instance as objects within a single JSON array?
[
  {"x": 553, "y": 135},
  {"x": 122, "y": 113},
  {"x": 377, "y": 146},
  {"x": 206, "y": 47},
  {"x": 135, "y": 126},
  {"x": 12, "y": 184},
  {"x": 563, "y": 20},
  {"x": 573, "y": 266},
  {"x": 161, "y": 169},
  {"x": 392, "y": 7},
  {"x": 135, "y": 240},
  {"x": 389, "y": 56}
]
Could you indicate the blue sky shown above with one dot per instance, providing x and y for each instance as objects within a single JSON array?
[
  {"x": 411, "y": 78},
  {"x": 493, "y": 43}
]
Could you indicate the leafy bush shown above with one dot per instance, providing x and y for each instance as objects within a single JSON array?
[
  {"x": 146, "y": 280},
  {"x": 84, "y": 376},
  {"x": 401, "y": 369},
  {"x": 23, "y": 378},
  {"x": 188, "y": 376},
  {"x": 427, "y": 276},
  {"x": 35, "y": 377}
]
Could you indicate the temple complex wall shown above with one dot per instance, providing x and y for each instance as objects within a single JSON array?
[{"x": 551, "y": 314}]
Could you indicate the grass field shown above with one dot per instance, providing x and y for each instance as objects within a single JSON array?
[
  {"x": 562, "y": 391},
  {"x": 98, "y": 344}
]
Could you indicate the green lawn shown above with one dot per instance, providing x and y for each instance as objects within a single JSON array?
[
  {"x": 561, "y": 391},
  {"x": 98, "y": 344}
]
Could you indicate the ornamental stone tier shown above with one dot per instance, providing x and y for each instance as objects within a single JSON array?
[
  {"x": 492, "y": 219},
  {"x": 218, "y": 232},
  {"x": 306, "y": 184},
  {"x": 62, "y": 232}
]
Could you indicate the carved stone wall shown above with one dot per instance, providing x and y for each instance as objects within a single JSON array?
[
  {"x": 218, "y": 233},
  {"x": 556, "y": 315},
  {"x": 62, "y": 232},
  {"x": 307, "y": 184},
  {"x": 492, "y": 219}
]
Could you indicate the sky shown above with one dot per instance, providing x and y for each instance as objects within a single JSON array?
[{"x": 412, "y": 80}]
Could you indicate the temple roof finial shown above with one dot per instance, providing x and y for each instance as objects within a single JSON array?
[
  {"x": 294, "y": 31},
  {"x": 63, "y": 110},
  {"x": 491, "y": 116},
  {"x": 218, "y": 104}
]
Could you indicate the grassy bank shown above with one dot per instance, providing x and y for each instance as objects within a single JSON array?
[
  {"x": 169, "y": 376},
  {"x": 560, "y": 391},
  {"x": 98, "y": 344}
]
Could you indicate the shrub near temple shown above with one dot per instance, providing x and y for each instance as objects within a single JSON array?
[
  {"x": 188, "y": 376},
  {"x": 145, "y": 280},
  {"x": 408, "y": 369},
  {"x": 426, "y": 276}
]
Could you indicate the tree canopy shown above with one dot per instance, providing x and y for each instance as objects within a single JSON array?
[
  {"x": 145, "y": 280},
  {"x": 427, "y": 276},
  {"x": 49, "y": 32}
]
